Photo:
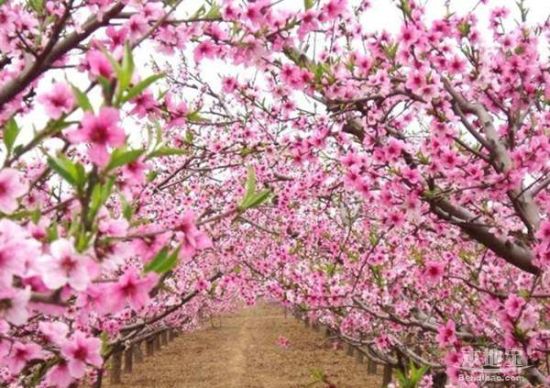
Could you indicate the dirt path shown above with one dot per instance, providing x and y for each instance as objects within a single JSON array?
[{"x": 243, "y": 353}]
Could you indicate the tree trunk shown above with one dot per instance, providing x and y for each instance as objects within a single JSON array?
[
  {"x": 138, "y": 353},
  {"x": 116, "y": 365},
  {"x": 387, "y": 375},
  {"x": 129, "y": 359},
  {"x": 156, "y": 341},
  {"x": 150, "y": 344},
  {"x": 371, "y": 367},
  {"x": 439, "y": 380}
]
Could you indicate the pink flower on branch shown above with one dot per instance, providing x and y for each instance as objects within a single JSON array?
[
  {"x": 12, "y": 186},
  {"x": 98, "y": 64},
  {"x": 81, "y": 351},
  {"x": 446, "y": 334},
  {"x": 15, "y": 249},
  {"x": 132, "y": 289},
  {"x": 191, "y": 238},
  {"x": 65, "y": 266},
  {"x": 13, "y": 305},
  {"x": 58, "y": 101},
  {"x": 59, "y": 376},
  {"x": 100, "y": 131},
  {"x": 20, "y": 354},
  {"x": 514, "y": 305},
  {"x": 434, "y": 271}
]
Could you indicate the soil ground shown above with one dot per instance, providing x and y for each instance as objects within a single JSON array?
[{"x": 243, "y": 353}]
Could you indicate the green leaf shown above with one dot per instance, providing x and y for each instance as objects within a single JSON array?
[
  {"x": 127, "y": 208},
  {"x": 189, "y": 137},
  {"x": 194, "y": 117},
  {"x": 72, "y": 172},
  {"x": 252, "y": 198},
  {"x": 406, "y": 8},
  {"x": 121, "y": 157},
  {"x": 464, "y": 28},
  {"x": 105, "y": 346},
  {"x": 199, "y": 12},
  {"x": 166, "y": 151},
  {"x": 391, "y": 50},
  {"x": 52, "y": 233},
  {"x": 258, "y": 199},
  {"x": 105, "y": 85},
  {"x": 163, "y": 261},
  {"x": 245, "y": 151},
  {"x": 114, "y": 63},
  {"x": 35, "y": 215},
  {"x": 151, "y": 175},
  {"x": 127, "y": 68},
  {"x": 214, "y": 12},
  {"x": 100, "y": 195},
  {"x": 11, "y": 131},
  {"x": 82, "y": 99},
  {"x": 250, "y": 182},
  {"x": 308, "y": 4},
  {"x": 136, "y": 90},
  {"x": 36, "y": 5}
]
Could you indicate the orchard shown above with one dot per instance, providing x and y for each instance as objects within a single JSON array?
[{"x": 163, "y": 160}]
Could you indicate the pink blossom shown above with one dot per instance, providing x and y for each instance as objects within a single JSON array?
[
  {"x": 54, "y": 332},
  {"x": 513, "y": 305},
  {"x": 100, "y": 131},
  {"x": 135, "y": 171},
  {"x": 434, "y": 271},
  {"x": 335, "y": 8},
  {"x": 132, "y": 289},
  {"x": 59, "y": 376},
  {"x": 229, "y": 84},
  {"x": 15, "y": 248},
  {"x": 456, "y": 65},
  {"x": 12, "y": 186},
  {"x": 415, "y": 81},
  {"x": 192, "y": 239},
  {"x": 98, "y": 64},
  {"x": 65, "y": 266},
  {"x": 80, "y": 351},
  {"x": 58, "y": 101},
  {"x": 20, "y": 354},
  {"x": 529, "y": 318},
  {"x": 137, "y": 25},
  {"x": 544, "y": 232},
  {"x": 283, "y": 342},
  {"x": 202, "y": 285},
  {"x": 145, "y": 104},
  {"x": 178, "y": 111},
  {"x": 205, "y": 49},
  {"x": 113, "y": 227},
  {"x": 93, "y": 299},
  {"x": 446, "y": 334},
  {"x": 453, "y": 358},
  {"x": 117, "y": 35},
  {"x": 13, "y": 305}
]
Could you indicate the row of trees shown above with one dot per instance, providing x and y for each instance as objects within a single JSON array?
[{"x": 391, "y": 186}]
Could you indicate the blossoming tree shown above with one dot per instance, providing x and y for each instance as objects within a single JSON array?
[{"x": 391, "y": 186}]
